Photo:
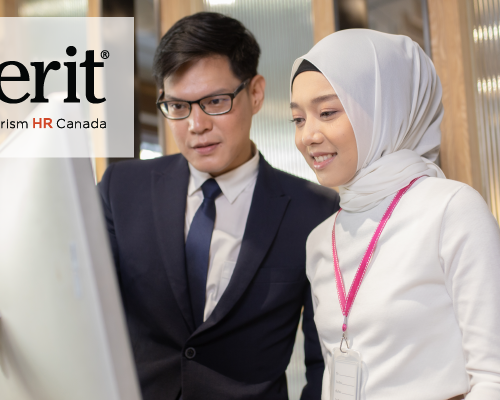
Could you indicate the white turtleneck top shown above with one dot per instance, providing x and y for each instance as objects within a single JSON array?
[{"x": 426, "y": 319}]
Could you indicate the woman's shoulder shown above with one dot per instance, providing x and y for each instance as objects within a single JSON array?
[
  {"x": 438, "y": 190},
  {"x": 443, "y": 185},
  {"x": 319, "y": 245},
  {"x": 321, "y": 231},
  {"x": 454, "y": 198}
]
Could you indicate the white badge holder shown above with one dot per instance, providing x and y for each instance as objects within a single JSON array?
[{"x": 345, "y": 379}]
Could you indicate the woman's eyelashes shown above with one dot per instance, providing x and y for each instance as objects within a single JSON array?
[
  {"x": 327, "y": 114},
  {"x": 297, "y": 121},
  {"x": 324, "y": 115}
]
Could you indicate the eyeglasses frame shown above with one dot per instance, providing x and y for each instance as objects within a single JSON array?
[{"x": 231, "y": 95}]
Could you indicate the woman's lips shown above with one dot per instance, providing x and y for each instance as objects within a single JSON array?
[
  {"x": 322, "y": 160},
  {"x": 206, "y": 149}
]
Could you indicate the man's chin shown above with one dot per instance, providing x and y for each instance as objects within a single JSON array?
[{"x": 209, "y": 165}]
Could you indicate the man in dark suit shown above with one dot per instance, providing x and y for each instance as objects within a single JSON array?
[{"x": 209, "y": 244}]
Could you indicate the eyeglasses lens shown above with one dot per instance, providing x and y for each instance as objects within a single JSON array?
[
  {"x": 216, "y": 104},
  {"x": 175, "y": 109}
]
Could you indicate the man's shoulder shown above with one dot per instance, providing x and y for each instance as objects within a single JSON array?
[
  {"x": 130, "y": 169},
  {"x": 303, "y": 189},
  {"x": 310, "y": 203},
  {"x": 130, "y": 174},
  {"x": 160, "y": 165}
]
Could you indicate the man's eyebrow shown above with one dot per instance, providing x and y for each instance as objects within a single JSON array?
[
  {"x": 168, "y": 97},
  {"x": 316, "y": 100},
  {"x": 171, "y": 98}
]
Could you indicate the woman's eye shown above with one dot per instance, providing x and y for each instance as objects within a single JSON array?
[
  {"x": 297, "y": 121},
  {"x": 327, "y": 114}
]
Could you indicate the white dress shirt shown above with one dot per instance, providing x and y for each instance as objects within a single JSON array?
[
  {"x": 232, "y": 208},
  {"x": 426, "y": 317}
]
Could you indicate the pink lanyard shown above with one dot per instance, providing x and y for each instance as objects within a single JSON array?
[{"x": 345, "y": 306}]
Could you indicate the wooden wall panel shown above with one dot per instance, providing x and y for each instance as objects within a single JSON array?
[
  {"x": 94, "y": 8},
  {"x": 173, "y": 10},
  {"x": 100, "y": 163},
  {"x": 452, "y": 59},
  {"x": 323, "y": 18},
  {"x": 8, "y": 8}
]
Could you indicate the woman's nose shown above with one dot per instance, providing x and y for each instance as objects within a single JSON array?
[{"x": 311, "y": 134}]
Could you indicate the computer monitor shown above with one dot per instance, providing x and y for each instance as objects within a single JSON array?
[{"x": 62, "y": 328}]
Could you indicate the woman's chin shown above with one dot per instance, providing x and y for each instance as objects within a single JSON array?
[
  {"x": 334, "y": 179},
  {"x": 327, "y": 181}
]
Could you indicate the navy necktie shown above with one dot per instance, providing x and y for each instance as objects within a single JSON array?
[{"x": 198, "y": 248}]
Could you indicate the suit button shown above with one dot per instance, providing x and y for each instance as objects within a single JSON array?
[{"x": 190, "y": 353}]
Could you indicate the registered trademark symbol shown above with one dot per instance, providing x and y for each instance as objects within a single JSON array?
[{"x": 104, "y": 54}]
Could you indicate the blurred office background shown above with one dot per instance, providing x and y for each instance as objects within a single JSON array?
[{"x": 461, "y": 37}]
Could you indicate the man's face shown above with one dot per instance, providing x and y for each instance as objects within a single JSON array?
[{"x": 219, "y": 143}]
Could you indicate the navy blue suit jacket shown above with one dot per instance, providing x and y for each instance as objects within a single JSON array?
[{"x": 242, "y": 350}]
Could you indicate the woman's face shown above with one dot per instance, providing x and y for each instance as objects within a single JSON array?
[{"x": 323, "y": 133}]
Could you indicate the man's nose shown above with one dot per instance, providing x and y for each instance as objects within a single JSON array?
[{"x": 199, "y": 122}]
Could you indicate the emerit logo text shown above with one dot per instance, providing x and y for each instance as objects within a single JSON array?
[{"x": 41, "y": 73}]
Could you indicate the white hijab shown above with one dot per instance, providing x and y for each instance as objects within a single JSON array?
[{"x": 392, "y": 96}]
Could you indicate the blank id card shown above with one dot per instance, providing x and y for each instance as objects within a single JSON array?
[{"x": 346, "y": 377}]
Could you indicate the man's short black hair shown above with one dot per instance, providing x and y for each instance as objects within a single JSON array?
[{"x": 202, "y": 35}]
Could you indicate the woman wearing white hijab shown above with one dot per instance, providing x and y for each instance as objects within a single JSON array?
[{"x": 425, "y": 323}]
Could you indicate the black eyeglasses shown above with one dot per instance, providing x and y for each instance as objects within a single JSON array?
[{"x": 211, "y": 105}]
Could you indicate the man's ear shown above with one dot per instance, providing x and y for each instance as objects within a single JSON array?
[{"x": 256, "y": 89}]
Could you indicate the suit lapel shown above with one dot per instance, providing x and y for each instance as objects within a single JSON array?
[
  {"x": 169, "y": 191},
  {"x": 264, "y": 218}
]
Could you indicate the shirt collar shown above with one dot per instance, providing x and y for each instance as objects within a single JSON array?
[{"x": 232, "y": 183}]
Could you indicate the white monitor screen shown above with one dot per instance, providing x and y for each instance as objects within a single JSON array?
[{"x": 62, "y": 329}]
